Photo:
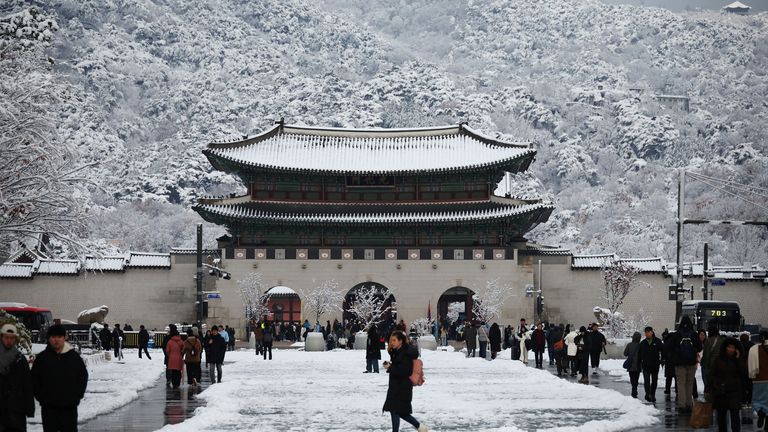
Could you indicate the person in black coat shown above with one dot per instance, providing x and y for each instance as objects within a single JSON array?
[
  {"x": 372, "y": 351},
  {"x": 105, "y": 337},
  {"x": 16, "y": 395},
  {"x": 400, "y": 391},
  {"x": 217, "y": 348},
  {"x": 650, "y": 354},
  {"x": 494, "y": 338},
  {"x": 727, "y": 385},
  {"x": 117, "y": 341},
  {"x": 59, "y": 380},
  {"x": 539, "y": 344},
  {"x": 143, "y": 341},
  {"x": 597, "y": 344}
]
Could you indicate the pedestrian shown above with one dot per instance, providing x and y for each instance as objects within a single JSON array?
[
  {"x": 709, "y": 353},
  {"x": 539, "y": 344},
  {"x": 582, "y": 354},
  {"x": 117, "y": 342},
  {"x": 174, "y": 349},
  {"x": 650, "y": 353},
  {"x": 631, "y": 352},
  {"x": 193, "y": 351},
  {"x": 400, "y": 391},
  {"x": 224, "y": 335},
  {"x": 269, "y": 335},
  {"x": 726, "y": 378},
  {"x": 258, "y": 335},
  {"x": 482, "y": 339},
  {"x": 597, "y": 344},
  {"x": 685, "y": 348},
  {"x": 552, "y": 335},
  {"x": 372, "y": 351},
  {"x": 572, "y": 350},
  {"x": 168, "y": 374},
  {"x": 758, "y": 371},
  {"x": 525, "y": 346},
  {"x": 204, "y": 340},
  {"x": 59, "y": 380},
  {"x": 746, "y": 345},
  {"x": 494, "y": 338},
  {"x": 15, "y": 383},
  {"x": 214, "y": 358},
  {"x": 105, "y": 337},
  {"x": 231, "y": 340},
  {"x": 470, "y": 338},
  {"x": 561, "y": 350},
  {"x": 669, "y": 363},
  {"x": 444, "y": 336},
  {"x": 143, "y": 341}
]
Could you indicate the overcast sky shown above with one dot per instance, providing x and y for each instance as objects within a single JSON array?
[{"x": 681, "y": 5}]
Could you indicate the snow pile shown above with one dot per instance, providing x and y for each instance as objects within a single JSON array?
[
  {"x": 327, "y": 391},
  {"x": 112, "y": 385}
]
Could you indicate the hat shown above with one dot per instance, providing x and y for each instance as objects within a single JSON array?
[
  {"x": 56, "y": 330},
  {"x": 9, "y": 329}
]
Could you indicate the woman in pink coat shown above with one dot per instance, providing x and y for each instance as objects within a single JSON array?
[{"x": 174, "y": 351}]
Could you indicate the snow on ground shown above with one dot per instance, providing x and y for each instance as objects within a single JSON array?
[
  {"x": 113, "y": 384},
  {"x": 615, "y": 368},
  {"x": 320, "y": 391}
]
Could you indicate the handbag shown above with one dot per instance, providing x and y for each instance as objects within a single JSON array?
[
  {"x": 701, "y": 416},
  {"x": 627, "y": 363}
]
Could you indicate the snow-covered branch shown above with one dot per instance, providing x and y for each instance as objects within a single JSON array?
[
  {"x": 254, "y": 299},
  {"x": 487, "y": 305},
  {"x": 370, "y": 304},
  {"x": 322, "y": 299}
]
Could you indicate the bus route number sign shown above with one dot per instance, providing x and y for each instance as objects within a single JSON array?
[{"x": 718, "y": 313}]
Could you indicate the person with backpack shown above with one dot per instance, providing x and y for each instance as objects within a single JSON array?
[
  {"x": 192, "y": 350},
  {"x": 685, "y": 350},
  {"x": 757, "y": 367},
  {"x": 400, "y": 390},
  {"x": 650, "y": 354},
  {"x": 632, "y": 364}
]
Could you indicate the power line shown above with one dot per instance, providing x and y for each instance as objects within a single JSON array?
[
  {"x": 733, "y": 194},
  {"x": 734, "y": 185}
]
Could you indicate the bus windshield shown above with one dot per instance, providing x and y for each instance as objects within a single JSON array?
[{"x": 726, "y": 317}]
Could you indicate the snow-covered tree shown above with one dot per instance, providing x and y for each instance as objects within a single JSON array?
[
  {"x": 322, "y": 299},
  {"x": 254, "y": 298},
  {"x": 454, "y": 310},
  {"x": 423, "y": 326},
  {"x": 619, "y": 280},
  {"x": 487, "y": 304},
  {"x": 370, "y": 304}
]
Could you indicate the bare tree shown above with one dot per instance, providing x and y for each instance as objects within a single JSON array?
[
  {"x": 454, "y": 310},
  {"x": 619, "y": 280},
  {"x": 370, "y": 304},
  {"x": 488, "y": 304},
  {"x": 322, "y": 299},
  {"x": 254, "y": 299},
  {"x": 423, "y": 326}
]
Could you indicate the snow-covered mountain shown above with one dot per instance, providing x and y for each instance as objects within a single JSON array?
[{"x": 151, "y": 82}]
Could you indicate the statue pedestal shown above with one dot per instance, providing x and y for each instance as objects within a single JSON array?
[
  {"x": 427, "y": 342},
  {"x": 361, "y": 340},
  {"x": 314, "y": 342}
]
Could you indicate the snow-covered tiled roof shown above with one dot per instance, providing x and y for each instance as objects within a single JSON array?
[
  {"x": 193, "y": 251},
  {"x": 415, "y": 214},
  {"x": 377, "y": 151},
  {"x": 281, "y": 291},
  {"x": 146, "y": 259},
  {"x": 593, "y": 261},
  {"x": 731, "y": 272},
  {"x": 57, "y": 267},
  {"x": 737, "y": 5},
  {"x": 107, "y": 263},
  {"x": 16, "y": 270},
  {"x": 24, "y": 251},
  {"x": 534, "y": 249},
  {"x": 646, "y": 265}
]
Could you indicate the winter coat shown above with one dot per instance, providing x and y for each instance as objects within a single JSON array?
[
  {"x": 570, "y": 340},
  {"x": 494, "y": 337},
  {"x": 726, "y": 378},
  {"x": 668, "y": 356},
  {"x": 400, "y": 391},
  {"x": 175, "y": 352},
  {"x": 258, "y": 333},
  {"x": 105, "y": 337},
  {"x": 482, "y": 335},
  {"x": 143, "y": 338},
  {"x": 684, "y": 332},
  {"x": 372, "y": 346},
  {"x": 470, "y": 333},
  {"x": 192, "y": 350},
  {"x": 631, "y": 351},
  {"x": 650, "y": 353},
  {"x": 538, "y": 341},
  {"x": 116, "y": 335},
  {"x": 596, "y": 341},
  {"x": 710, "y": 351},
  {"x": 59, "y": 379},
  {"x": 216, "y": 349},
  {"x": 16, "y": 394}
]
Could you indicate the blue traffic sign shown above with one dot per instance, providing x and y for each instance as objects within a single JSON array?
[{"x": 717, "y": 282}]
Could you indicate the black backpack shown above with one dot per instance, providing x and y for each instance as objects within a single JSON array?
[{"x": 686, "y": 352}]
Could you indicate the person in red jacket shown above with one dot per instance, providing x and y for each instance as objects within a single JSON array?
[
  {"x": 175, "y": 352},
  {"x": 539, "y": 342}
]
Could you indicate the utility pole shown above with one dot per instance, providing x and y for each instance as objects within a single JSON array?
[
  {"x": 199, "y": 277},
  {"x": 680, "y": 217},
  {"x": 705, "y": 276}
]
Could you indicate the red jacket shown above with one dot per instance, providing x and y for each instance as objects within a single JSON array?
[
  {"x": 538, "y": 340},
  {"x": 174, "y": 350}
]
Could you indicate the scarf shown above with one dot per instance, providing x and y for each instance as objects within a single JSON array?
[{"x": 7, "y": 358}]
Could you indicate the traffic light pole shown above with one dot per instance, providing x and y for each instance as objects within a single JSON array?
[{"x": 680, "y": 217}]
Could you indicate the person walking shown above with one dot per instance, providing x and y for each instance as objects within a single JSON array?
[
  {"x": 494, "y": 337},
  {"x": 685, "y": 346},
  {"x": 539, "y": 344},
  {"x": 143, "y": 341},
  {"x": 470, "y": 338},
  {"x": 597, "y": 344},
  {"x": 105, "y": 337},
  {"x": 482, "y": 339},
  {"x": 175, "y": 352},
  {"x": 59, "y": 380},
  {"x": 224, "y": 335},
  {"x": 709, "y": 353},
  {"x": 726, "y": 378},
  {"x": 231, "y": 340},
  {"x": 525, "y": 346},
  {"x": 117, "y": 342},
  {"x": 15, "y": 383},
  {"x": 193, "y": 352},
  {"x": 258, "y": 335},
  {"x": 572, "y": 350},
  {"x": 168, "y": 374},
  {"x": 631, "y": 352},
  {"x": 669, "y": 363},
  {"x": 400, "y": 390},
  {"x": 757, "y": 366},
  {"x": 553, "y": 334},
  {"x": 217, "y": 348},
  {"x": 746, "y": 345},
  {"x": 269, "y": 335},
  {"x": 582, "y": 354},
  {"x": 650, "y": 354},
  {"x": 372, "y": 351}
]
